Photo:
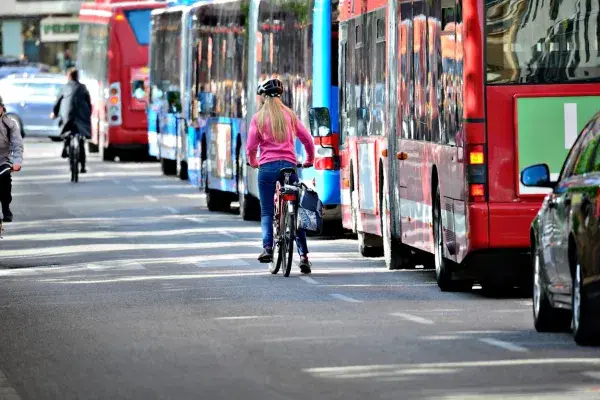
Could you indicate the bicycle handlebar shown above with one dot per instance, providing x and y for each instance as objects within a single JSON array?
[{"x": 298, "y": 165}]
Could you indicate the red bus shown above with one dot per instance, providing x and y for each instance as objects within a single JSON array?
[
  {"x": 441, "y": 105},
  {"x": 113, "y": 63}
]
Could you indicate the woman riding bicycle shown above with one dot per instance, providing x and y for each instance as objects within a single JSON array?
[{"x": 274, "y": 128}]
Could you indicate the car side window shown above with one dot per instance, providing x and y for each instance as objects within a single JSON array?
[
  {"x": 576, "y": 153},
  {"x": 595, "y": 164},
  {"x": 582, "y": 165}
]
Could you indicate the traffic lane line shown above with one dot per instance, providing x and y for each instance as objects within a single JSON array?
[
  {"x": 413, "y": 318},
  {"x": 344, "y": 298},
  {"x": 504, "y": 345},
  {"x": 308, "y": 279}
]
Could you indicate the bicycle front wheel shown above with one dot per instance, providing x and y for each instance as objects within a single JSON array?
[{"x": 289, "y": 235}]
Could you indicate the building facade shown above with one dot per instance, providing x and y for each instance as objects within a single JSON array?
[{"x": 41, "y": 31}]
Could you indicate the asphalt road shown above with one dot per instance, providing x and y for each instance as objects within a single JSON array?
[{"x": 124, "y": 286}]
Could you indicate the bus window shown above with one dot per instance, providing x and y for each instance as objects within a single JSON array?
[{"x": 549, "y": 42}]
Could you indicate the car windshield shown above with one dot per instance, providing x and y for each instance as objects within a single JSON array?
[
  {"x": 16, "y": 91},
  {"x": 43, "y": 89}
]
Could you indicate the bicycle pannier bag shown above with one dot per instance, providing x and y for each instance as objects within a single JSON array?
[{"x": 310, "y": 211}]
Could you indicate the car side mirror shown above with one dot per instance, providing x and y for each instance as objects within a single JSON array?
[
  {"x": 537, "y": 175},
  {"x": 320, "y": 122}
]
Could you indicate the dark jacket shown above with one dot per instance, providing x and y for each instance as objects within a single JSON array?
[{"x": 74, "y": 108}]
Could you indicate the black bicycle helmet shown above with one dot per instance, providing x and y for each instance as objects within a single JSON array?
[{"x": 271, "y": 87}]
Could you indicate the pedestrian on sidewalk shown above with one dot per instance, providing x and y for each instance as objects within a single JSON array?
[{"x": 11, "y": 154}]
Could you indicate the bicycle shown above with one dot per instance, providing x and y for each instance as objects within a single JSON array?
[
  {"x": 285, "y": 220},
  {"x": 5, "y": 170},
  {"x": 74, "y": 155}
]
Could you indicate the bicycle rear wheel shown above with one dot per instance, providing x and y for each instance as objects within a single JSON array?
[
  {"x": 74, "y": 155},
  {"x": 277, "y": 239},
  {"x": 289, "y": 235}
]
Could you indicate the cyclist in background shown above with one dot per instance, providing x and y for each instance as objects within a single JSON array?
[
  {"x": 11, "y": 156},
  {"x": 74, "y": 109},
  {"x": 274, "y": 128}
]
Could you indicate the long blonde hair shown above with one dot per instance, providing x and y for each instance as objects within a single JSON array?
[{"x": 273, "y": 109}]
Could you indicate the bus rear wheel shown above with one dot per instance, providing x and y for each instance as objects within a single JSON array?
[
  {"x": 396, "y": 255},
  {"x": 443, "y": 266}
]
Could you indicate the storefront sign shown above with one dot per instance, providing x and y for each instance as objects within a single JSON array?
[{"x": 56, "y": 29}]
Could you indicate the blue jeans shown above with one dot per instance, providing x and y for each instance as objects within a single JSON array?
[{"x": 268, "y": 174}]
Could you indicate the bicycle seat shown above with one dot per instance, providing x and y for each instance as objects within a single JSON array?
[{"x": 287, "y": 170}]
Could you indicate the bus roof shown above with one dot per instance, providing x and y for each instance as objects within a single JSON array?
[
  {"x": 360, "y": 7},
  {"x": 103, "y": 10}
]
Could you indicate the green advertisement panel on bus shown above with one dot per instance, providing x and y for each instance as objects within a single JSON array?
[{"x": 547, "y": 127}]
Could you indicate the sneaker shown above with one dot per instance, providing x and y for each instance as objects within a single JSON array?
[
  {"x": 305, "y": 265},
  {"x": 83, "y": 170},
  {"x": 266, "y": 256},
  {"x": 8, "y": 216}
]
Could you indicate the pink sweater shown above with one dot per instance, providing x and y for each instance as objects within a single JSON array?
[{"x": 270, "y": 150}]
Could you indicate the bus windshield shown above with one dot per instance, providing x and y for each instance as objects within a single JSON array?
[
  {"x": 542, "y": 42},
  {"x": 139, "y": 20},
  {"x": 92, "y": 59}
]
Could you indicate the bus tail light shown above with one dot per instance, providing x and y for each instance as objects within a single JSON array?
[
  {"x": 114, "y": 104},
  {"x": 477, "y": 173},
  {"x": 326, "y": 157}
]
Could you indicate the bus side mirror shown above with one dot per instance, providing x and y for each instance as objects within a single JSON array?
[
  {"x": 320, "y": 121},
  {"x": 173, "y": 102}
]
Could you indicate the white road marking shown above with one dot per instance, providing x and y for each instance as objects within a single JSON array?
[
  {"x": 308, "y": 338},
  {"x": 6, "y": 391},
  {"x": 194, "y": 219},
  {"x": 172, "y": 210},
  {"x": 151, "y": 198},
  {"x": 308, "y": 279},
  {"x": 504, "y": 345},
  {"x": 228, "y": 234},
  {"x": 222, "y": 263},
  {"x": 344, "y": 298},
  {"x": 18, "y": 194},
  {"x": 333, "y": 371},
  {"x": 133, "y": 188},
  {"x": 116, "y": 181},
  {"x": 117, "y": 265},
  {"x": 592, "y": 374},
  {"x": 413, "y": 318},
  {"x": 242, "y": 317}
]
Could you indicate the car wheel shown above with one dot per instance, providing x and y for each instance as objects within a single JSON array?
[
  {"x": 585, "y": 327},
  {"x": 545, "y": 317}
]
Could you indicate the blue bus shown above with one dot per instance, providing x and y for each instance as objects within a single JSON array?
[
  {"x": 233, "y": 45},
  {"x": 167, "y": 129}
]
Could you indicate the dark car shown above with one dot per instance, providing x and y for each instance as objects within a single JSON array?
[{"x": 565, "y": 241}]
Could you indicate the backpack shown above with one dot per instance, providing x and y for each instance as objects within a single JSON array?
[{"x": 7, "y": 128}]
